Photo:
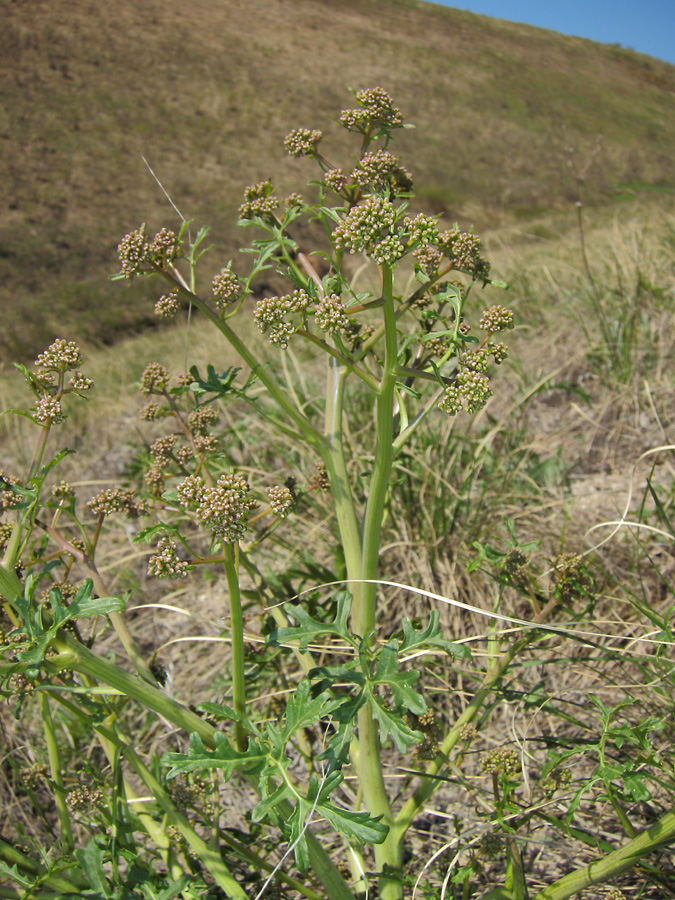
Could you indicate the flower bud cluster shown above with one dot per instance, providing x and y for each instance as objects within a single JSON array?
[
  {"x": 62, "y": 491},
  {"x": 501, "y": 759},
  {"x": 280, "y": 500},
  {"x": 8, "y": 499},
  {"x": 168, "y": 305},
  {"x": 166, "y": 563},
  {"x": 133, "y": 252},
  {"x": 377, "y": 110},
  {"x": 438, "y": 346},
  {"x": 201, "y": 419},
  {"x": 225, "y": 288},
  {"x": 294, "y": 200},
  {"x": 154, "y": 379},
  {"x": 335, "y": 179},
  {"x": 48, "y": 411},
  {"x": 60, "y": 356},
  {"x": 302, "y": 142},
  {"x": 476, "y": 360},
  {"x": 224, "y": 507},
  {"x": 83, "y": 798},
  {"x": 388, "y": 250},
  {"x": 470, "y": 391},
  {"x": 164, "y": 248},
  {"x": 362, "y": 227},
  {"x": 381, "y": 170},
  {"x": 80, "y": 382},
  {"x": 498, "y": 351},
  {"x": 162, "y": 449},
  {"x": 422, "y": 229},
  {"x": 151, "y": 412},
  {"x": 258, "y": 201},
  {"x": 428, "y": 259},
  {"x": 330, "y": 314},
  {"x": 112, "y": 500},
  {"x": 137, "y": 255},
  {"x": 497, "y": 318},
  {"x": 463, "y": 249},
  {"x": 272, "y": 312}
]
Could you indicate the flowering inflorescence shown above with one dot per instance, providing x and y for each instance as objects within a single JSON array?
[
  {"x": 112, "y": 500},
  {"x": 497, "y": 318},
  {"x": 154, "y": 379},
  {"x": 225, "y": 288},
  {"x": 271, "y": 313},
  {"x": 376, "y": 111},
  {"x": 224, "y": 508},
  {"x": 258, "y": 201},
  {"x": 168, "y": 305},
  {"x": 139, "y": 256},
  {"x": 362, "y": 227},
  {"x": 381, "y": 171},
  {"x": 501, "y": 759},
  {"x": 166, "y": 563},
  {"x": 280, "y": 500},
  {"x": 302, "y": 142}
]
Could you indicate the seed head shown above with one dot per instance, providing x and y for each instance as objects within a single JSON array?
[
  {"x": 162, "y": 449},
  {"x": 475, "y": 360},
  {"x": 151, "y": 411},
  {"x": 428, "y": 259},
  {"x": 224, "y": 508},
  {"x": 293, "y": 201},
  {"x": 63, "y": 491},
  {"x": 422, "y": 229}
]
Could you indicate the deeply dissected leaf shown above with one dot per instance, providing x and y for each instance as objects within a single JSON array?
[
  {"x": 430, "y": 637},
  {"x": 309, "y": 629},
  {"x": 224, "y": 757}
]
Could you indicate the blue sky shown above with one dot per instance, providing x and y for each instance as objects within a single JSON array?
[{"x": 647, "y": 26}]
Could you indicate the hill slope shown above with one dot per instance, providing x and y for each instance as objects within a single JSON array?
[{"x": 207, "y": 97}]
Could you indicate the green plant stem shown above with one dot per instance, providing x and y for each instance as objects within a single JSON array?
[
  {"x": 429, "y": 783},
  {"x": 210, "y": 858},
  {"x": 336, "y": 466},
  {"x": 237, "y": 637},
  {"x": 371, "y": 777},
  {"x": 309, "y": 433},
  {"x": 54, "y": 756},
  {"x": 73, "y": 655},
  {"x": 661, "y": 834},
  {"x": 73, "y": 883}
]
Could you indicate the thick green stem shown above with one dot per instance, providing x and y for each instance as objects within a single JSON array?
[
  {"x": 62, "y": 811},
  {"x": 336, "y": 466},
  {"x": 371, "y": 776},
  {"x": 237, "y": 638},
  {"x": 659, "y": 835}
]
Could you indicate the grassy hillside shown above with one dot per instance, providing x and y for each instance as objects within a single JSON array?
[{"x": 208, "y": 95}]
